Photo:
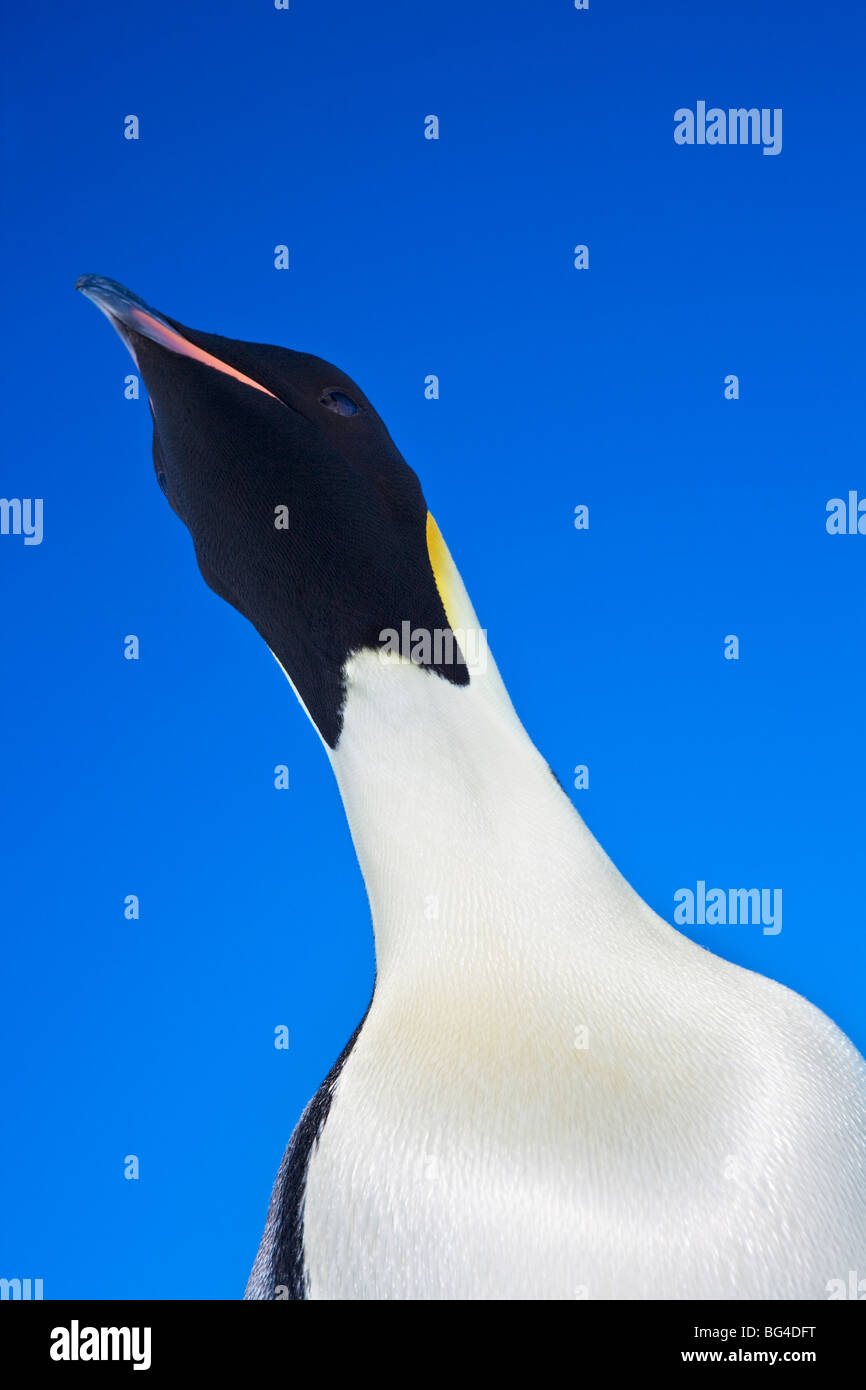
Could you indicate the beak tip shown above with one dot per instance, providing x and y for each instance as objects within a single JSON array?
[
  {"x": 91, "y": 283},
  {"x": 111, "y": 293}
]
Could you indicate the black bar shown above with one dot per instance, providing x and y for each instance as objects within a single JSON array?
[{"x": 221, "y": 1338}]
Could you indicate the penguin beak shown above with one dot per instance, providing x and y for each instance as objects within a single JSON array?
[{"x": 131, "y": 317}]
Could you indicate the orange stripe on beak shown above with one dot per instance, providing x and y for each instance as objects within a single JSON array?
[{"x": 161, "y": 333}]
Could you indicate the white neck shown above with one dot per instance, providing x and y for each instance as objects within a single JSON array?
[{"x": 465, "y": 839}]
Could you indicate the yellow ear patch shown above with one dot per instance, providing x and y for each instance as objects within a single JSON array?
[{"x": 442, "y": 566}]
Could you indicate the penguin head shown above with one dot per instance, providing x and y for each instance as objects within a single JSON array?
[{"x": 302, "y": 511}]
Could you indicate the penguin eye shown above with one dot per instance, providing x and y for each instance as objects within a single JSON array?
[{"x": 339, "y": 403}]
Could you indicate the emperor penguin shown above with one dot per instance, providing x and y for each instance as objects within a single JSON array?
[{"x": 553, "y": 1093}]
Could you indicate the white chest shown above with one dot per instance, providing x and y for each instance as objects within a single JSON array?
[{"x": 674, "y": 1127}]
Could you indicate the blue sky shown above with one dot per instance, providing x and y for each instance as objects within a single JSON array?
[{"x": 558, "y": 387}]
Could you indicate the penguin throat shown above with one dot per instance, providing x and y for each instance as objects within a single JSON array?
[{"x": 465, "y": 839}]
